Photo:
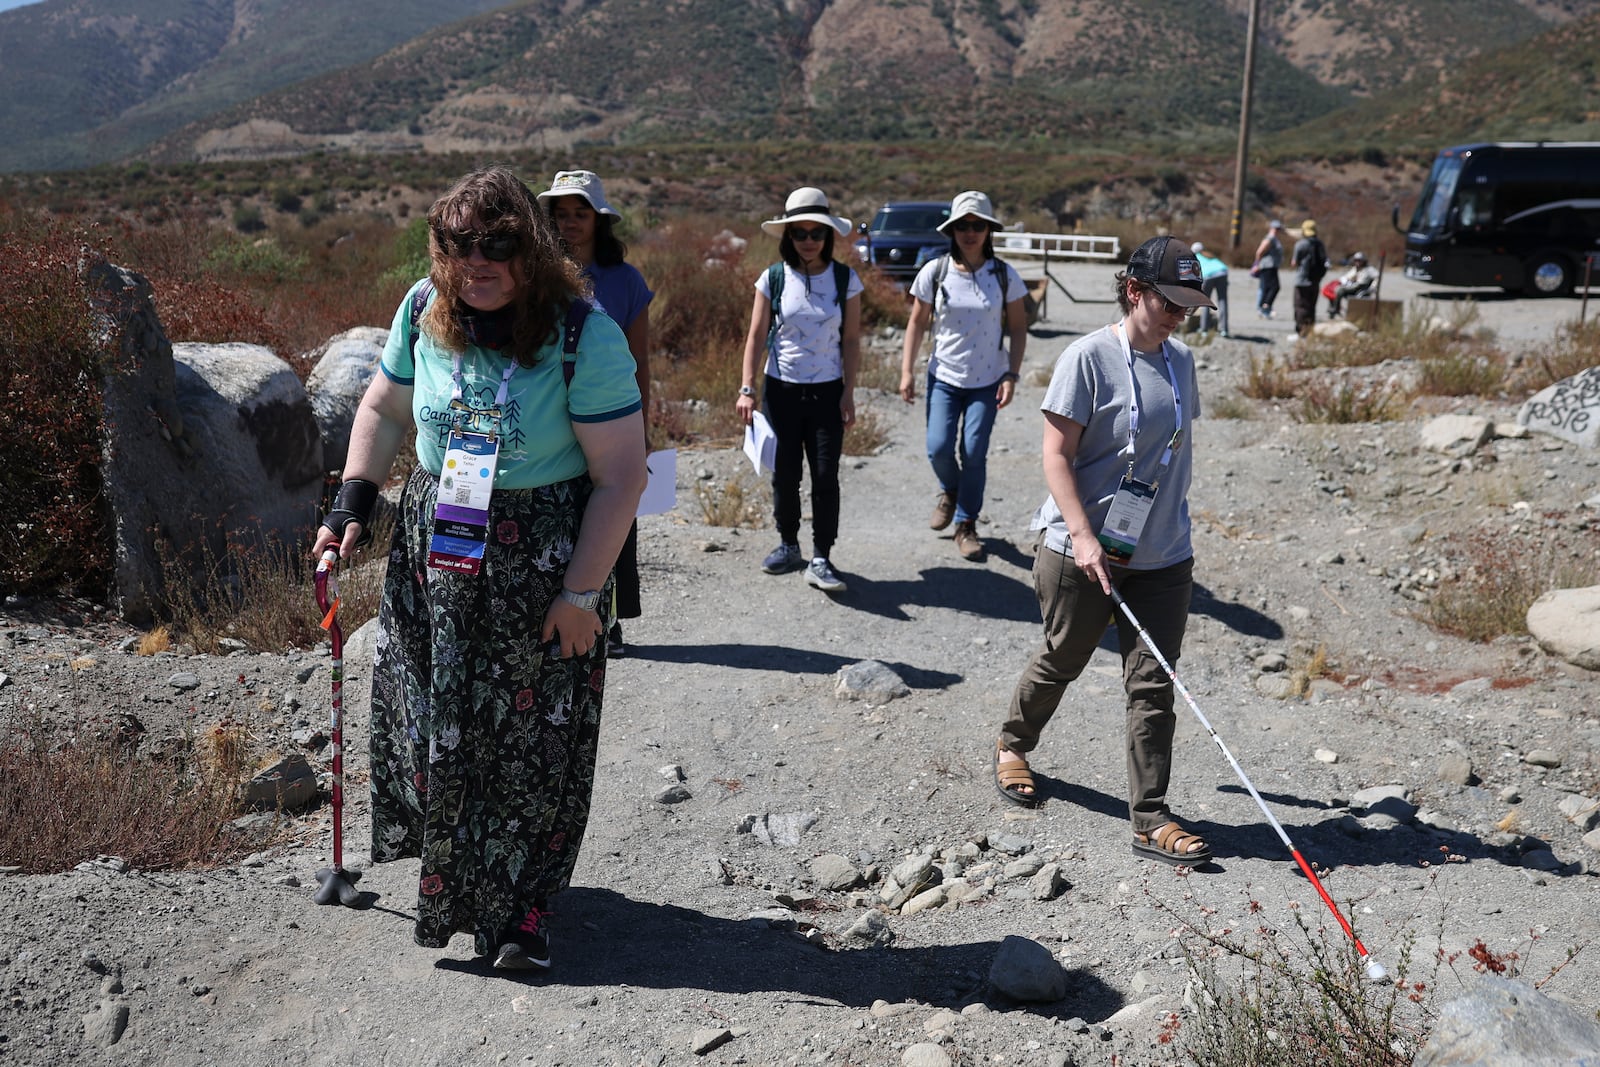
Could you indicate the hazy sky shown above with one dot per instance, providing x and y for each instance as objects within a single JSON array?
[{"x": 7, "y": 5}]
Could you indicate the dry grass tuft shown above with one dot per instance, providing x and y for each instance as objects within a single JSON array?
[
  {"x": 157, "y": 640},
  {"x": 1268, "y": 379},
  {"x": 739, "y": 501},
  {"x": 1496, "y": 582},
  {"x": 1350, "y": 400}
]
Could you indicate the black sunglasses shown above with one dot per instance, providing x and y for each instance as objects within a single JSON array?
[
  {"x": 818, "y": 233},
  {"x": 1168, "y": 306},
  {"x": 496, "y": 247},
  {"x": 970, "y": 226}
]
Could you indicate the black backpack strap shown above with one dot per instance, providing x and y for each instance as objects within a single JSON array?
[
  {"x": 938, "y": 282},
  {"x": 419, "y": 303},
  {"x": 571, "y": 333},
  {"x": 775, "y": 298}
]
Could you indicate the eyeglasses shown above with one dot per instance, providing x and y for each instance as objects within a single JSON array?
[
  {"x": 1168, "y": 306},
  {"x": 496, "y": 247},
  {"x": 818, "y": 233},
  {"x": 970, "y": 226}
]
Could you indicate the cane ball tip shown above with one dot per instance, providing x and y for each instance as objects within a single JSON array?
[{"x": 1375, "y": 971}]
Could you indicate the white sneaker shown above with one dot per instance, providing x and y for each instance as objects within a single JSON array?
[{"x": 820, "y": 575}]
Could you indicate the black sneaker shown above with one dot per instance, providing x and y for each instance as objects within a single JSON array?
[
  {"x": 615, "y": 649},
  {"x": 526, "y": 946}
]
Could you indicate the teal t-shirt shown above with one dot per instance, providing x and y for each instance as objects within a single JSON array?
[{"x": 537, "y": 445}]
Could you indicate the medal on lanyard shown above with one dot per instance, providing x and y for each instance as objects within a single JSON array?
[
  {"x": 1130, "y": 507},
  {"x": 466, "y": 482}
]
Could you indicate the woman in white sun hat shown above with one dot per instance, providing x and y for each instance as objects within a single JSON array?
[
  {"x": 973, "y": 301},
  {"x": 805, "y": 345},
  {"x": 576, "y": 203}
]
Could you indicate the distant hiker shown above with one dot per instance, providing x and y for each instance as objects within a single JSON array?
[
  {"x": 1358, "y": 282},
  {"x": 973, "y": 301},
  {"x": 1117, "y": 459},
  {"x": 1269, "y": 257},
  {"x": 1310, "y": 263},
  {"x": 805, "y": 342},
  {"x": 1214, "y": 283},
  {"x": 577, "y": 205},
  {"x": 491, "y": 656}
]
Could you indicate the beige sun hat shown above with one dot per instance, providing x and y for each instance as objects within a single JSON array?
[
  {"x": 806, "y": 205},
  {"x": 584, "y": 183},
  {"x": 970, "y": 202}
]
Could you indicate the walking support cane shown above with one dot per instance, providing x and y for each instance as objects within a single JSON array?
[
  {"x": 1375, "y": 970},
  {"x": 335, "y": 884}
]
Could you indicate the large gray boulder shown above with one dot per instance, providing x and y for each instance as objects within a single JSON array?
[
  {"x": 1566, "y": 623},
  {"x": 1569, "y": 409},
  {"x": 1506, "y": 1023},
  {"x": 343, "y": 368},
  {"x": 203, "y": 444}
]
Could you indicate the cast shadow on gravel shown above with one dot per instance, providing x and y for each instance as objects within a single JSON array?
[
  {"x": 789, "y": 660},
  {"x": 1235, "y": 616},
  {"x": 602, "y": 938},
  {"x": 973, "y": 589}
]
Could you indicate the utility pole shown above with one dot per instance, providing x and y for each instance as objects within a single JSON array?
[{"x": 1244, "y": 123}]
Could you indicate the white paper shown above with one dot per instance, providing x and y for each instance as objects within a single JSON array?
[
  {"x": 661, "y": 492},
  {"x": 760, "y": 443}
]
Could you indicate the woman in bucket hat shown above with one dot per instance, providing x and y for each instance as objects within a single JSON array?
[
  {"x": 973, "y": 302},
  {"x": 805, "y": 343},
  {"x": 1117, "y": 446},
  {"x": 576, "y": 203}
]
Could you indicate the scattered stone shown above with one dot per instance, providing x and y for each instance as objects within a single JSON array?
[
  {"x": 1566, "y": 623},
  {"x": 1275, "y": 686},
  {"x": 1025, "y": 867},
  {"x": 1509, "y": 1023},
  {"x": 1025, "y": 970},
  {"x": 309, "y": 737},
  {"x": 871, "y": 927},
  {"x": 924, "y": 1054},
  {"x": 288, "y": 785},
  {"x": 1272, "y": 662},
  {"x": 183, "y": 681},
  {"x": 1583, "y": 812},
  {"x": 1455, "y": 435},
  {"x": 1048, "y": 883},
  {"x": 671, "y": 772},
  {"x": 779, "y": 830},
  {"x": 1542, "y": 757},
  {"x": 943, "y": 1019},
  {"x": 1562, "y": 410},
  {"x": 1325, "y": 755},
  {"x": 676, "y": 793},
  {"x": 1010, "y": 844},
  {"x": 882, "y": 1009},
  {"x": 1510, "y": 795},
  {"x": 709, "y": 1039},
  {"x": 870, "y": 681},
  {"x": 1456, "y": 769},
  {"x": 105, "y": 1025},
  {"x": 834, "y": 872},
  {"x": 928, "y": 898},
  {"x": 711, "y": 546}
]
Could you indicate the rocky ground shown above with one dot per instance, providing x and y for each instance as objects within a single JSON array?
[{"x": 755, "y": 884}]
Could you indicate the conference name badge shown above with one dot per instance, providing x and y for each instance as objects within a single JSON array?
[
  {"x": 461, "y": 516},
  {"x": 1125, "y": 521}
]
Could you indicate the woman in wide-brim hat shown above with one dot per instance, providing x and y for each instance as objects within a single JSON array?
[
  {"x": 805, "y": 344},
  {"x": 973, "y": 303},
  {"x": 576, "y": 203}
]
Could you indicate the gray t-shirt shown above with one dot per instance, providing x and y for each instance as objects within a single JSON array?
[{"x": 1090, "y": 386}]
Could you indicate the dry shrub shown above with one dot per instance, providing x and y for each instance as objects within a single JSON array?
[
  {"x": 1347, "y": 400},
  {"x": 1498, "y": 576},
  {"x": 1576, "y": 348},
  {"x": 89, "y": 796},
  {"x": 867, "y": 435},
  {"x": 1268, "y": 379},
  {"x": 56, "y": 536},
  {"x": 157, "y": 640},
  {"x": 1463, "y": 372},
  {"x": 738, "y": 501}
]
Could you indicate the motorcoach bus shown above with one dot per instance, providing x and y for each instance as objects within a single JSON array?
[{"x": 1524, "y": 216}]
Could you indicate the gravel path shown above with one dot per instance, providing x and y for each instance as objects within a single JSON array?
[{"x": 695, "y": 934}]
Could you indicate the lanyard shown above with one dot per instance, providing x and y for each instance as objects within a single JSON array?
[{"x": 1176, "y": 440}]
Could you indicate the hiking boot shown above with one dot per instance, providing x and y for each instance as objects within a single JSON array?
[
  {"x": 944, "y": 509},
  {"x": 526, "y": 946},
  {"x": 967, "y": 542},
  {"x": 820, "y": 575},
  {"x": 783, "y": 559}
]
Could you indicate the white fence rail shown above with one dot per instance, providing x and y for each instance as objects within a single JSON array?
[{"x": 1057, "y": 245}]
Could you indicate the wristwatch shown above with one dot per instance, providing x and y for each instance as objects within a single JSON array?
[
  {"x": 1010, "y": 376},
  {"x": 747, "y": 390},
  {"x": 582, "y": 601}
]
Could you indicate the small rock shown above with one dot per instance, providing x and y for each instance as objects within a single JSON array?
[
  {"x": 871, "y": 927},
  {"x": 928, "y": 898},
  {"x": 288, "y": 785},
  {"x": 709, "y": 1039},
  {"x": 1025, "y": 970},
  {"x": 882, "y": 1009},
  {"x": 183, "y": 681},
  {"x": 1542, "y": 757},
  {"x": 924, "y": 1054},
  {"x": 1456, "y": 769},
  {"x": 1272, "y": 662},
  {"x": 870, "y": 681},
  {"x": 778, "y": 830},
  {"x": 1025, "y": 867},
  {"x": 1325, "y": 755},
  {"x": 1048, "y": 883},
  {"x": 671, "y": 772},
  {"x": 676, "y": 793},
  {"x": 105, "y": 1025},
  {"x": 833, "y": 872},
  {"x": 1010, "y": 844},
  {"x": 1583, "y": 812}
]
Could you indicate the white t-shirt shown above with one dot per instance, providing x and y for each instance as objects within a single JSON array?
[
  {"x": 807, "y": 345},
  {"x": 968, "y": 322}
]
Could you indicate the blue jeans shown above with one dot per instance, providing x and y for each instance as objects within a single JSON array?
[{"x": 964, "y": 415}]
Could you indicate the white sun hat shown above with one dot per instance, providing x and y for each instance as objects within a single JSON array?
[
  {"x": 584, "y": 183},
  {"x": 806, "y": 205},
  {"x": 970, "y": 202}
]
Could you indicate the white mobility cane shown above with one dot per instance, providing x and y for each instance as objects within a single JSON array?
[{"x": 1375, "y": 969}]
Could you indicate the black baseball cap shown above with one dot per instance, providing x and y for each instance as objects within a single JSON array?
[{"x": 1166, "y": 265}]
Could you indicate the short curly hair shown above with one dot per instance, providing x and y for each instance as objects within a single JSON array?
[{"x": 495, "y": 201}]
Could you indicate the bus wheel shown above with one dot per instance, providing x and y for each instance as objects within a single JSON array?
[{"x": 1548, "y": 274}]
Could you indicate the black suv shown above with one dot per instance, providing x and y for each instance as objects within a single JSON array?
[{"x": 902, "y": 236}]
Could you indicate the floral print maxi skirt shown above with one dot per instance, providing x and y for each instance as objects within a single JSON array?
[{"x": 483, "y": 743}]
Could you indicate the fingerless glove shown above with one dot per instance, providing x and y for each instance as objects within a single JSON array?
[{"x": 352, "y": 503}]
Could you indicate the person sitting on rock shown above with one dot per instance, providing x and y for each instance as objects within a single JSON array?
[{"x": 1359, "y": 282}]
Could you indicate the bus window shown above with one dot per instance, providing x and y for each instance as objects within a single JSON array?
[
  {"x": 1433, "y": 209},
  {"x": 1476, "y": 207}
]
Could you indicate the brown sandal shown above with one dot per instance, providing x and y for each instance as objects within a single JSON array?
[
  {"x": 1012, "y": 778},
  {"x": 1172, "y": 844}
]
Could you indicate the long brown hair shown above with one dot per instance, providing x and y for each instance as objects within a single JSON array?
[{"x": 493, "y": 201}]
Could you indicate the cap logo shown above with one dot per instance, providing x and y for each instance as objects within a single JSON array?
[
  {"x": 565, "y": 180},
  {"x": 1188, "y": 268}
]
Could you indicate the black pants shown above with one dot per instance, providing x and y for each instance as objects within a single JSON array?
[
  {"x": 807, "y": 422},
  {"x": 1305, "y": 308},
  {"x": 627, "y": 571}
]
